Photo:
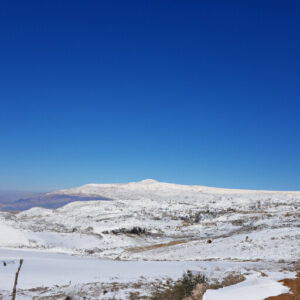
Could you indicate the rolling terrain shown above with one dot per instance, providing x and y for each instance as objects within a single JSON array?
[{"x": 155, "y": 221}]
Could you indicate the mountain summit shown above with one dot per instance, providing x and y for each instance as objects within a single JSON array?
[{"x": 145, "y": 190}]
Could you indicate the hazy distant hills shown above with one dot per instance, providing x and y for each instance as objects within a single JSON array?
[
  {"x": 52, "y": 201},
  {"x": 7, "y": 196}
]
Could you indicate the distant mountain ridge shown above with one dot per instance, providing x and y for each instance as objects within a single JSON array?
[
  {"x": 148, "y": 189},
  {"x": 153, "y": 187}
]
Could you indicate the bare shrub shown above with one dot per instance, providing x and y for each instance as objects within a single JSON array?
[
  {"x": 134, "y": 230},
  {"x": 182, "y": 289}
]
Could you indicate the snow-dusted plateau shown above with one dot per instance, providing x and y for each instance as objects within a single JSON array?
[{"x": 145, "y": 233}]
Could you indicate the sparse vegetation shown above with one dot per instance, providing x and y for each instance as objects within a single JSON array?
[
  {"x": 134, "y": 230},
  {"x": 230, "y": 279},
  {"x": 182, "y": 289}
]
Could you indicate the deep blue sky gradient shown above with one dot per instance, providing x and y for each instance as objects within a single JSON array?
[{"x": 193, "y": 92}]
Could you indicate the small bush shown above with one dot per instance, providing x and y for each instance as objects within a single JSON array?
[
  {"x": 134, "y": 230},
  {"x": 137, "y": 230},
  {"x": 190, "y": 280},
  {"x": 182, "y": 289}
]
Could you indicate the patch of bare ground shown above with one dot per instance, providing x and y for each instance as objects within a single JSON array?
[
  {"x": 294, "y": 285},
  {"x": 230, "y": 279},
  {"x": 156, "y": 246},
  {"x": 38, "y": 289}
]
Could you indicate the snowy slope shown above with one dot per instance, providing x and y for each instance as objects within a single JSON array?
[
  {"x": 178, "y": 221},
  {"x": 53, "y": 276},
  {"x": 216, "y": 231}
]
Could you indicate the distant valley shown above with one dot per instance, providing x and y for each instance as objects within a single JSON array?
[{"x": 45, "y": 200}]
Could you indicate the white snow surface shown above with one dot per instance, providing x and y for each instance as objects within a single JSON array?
[
  {"x": 47, "y": 274},
  {"x": 44, "y": 269},
  {"x": 179, "y": 223},
  {"x": 255, "y": 287}
]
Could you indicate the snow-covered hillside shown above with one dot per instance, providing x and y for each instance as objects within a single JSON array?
[
  {"x": 150, "y": 220},
  {"x": 176, "y": 222}
]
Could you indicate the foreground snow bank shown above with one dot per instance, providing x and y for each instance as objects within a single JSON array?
[
  {"x": 11, "y": 237},
  {"x": 54, "y": 274},
  {"x": 47, "y": 269},
  {"x": 255, "y": 287}
]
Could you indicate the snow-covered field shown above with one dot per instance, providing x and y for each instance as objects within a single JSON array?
[
  {"x": 151, "y": 221},
  {"x": 45, "y": 274}
]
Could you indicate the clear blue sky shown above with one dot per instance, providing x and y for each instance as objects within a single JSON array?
[{"x": 193, "y": 92}]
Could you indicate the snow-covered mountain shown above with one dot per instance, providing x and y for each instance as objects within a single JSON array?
[
  {"x": 152, "y": 188},
  {"x": 151, "y": 220},
  {"x": 146, "y": 189}
]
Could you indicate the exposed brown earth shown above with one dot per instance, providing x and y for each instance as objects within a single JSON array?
[
  {"x": 294, "y": 285},
  {"x": 156, "y": 246}
]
